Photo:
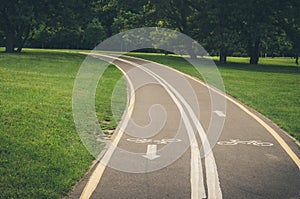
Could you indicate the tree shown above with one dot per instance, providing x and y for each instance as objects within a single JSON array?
[
  {"x": 105, "y": 12},
  {"x": 59, "y": 22},
  {"x": 223, "y": 27},
  {"x": 70, "y": 23},
  {"x": 257, "y": 23},
  {"x": 217, "y": 22},
  {"x": 93, "y": 34},
  {"x": 289, "y": 21},
  {"x": 133, "y": 14},
  {"x": 18, "y": 19},
  {"x": 176, "y": 14}
]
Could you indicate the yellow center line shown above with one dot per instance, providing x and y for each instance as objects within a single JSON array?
[
  {"x": 99, "y": 170},
  {"x": 277, "y": 137}
]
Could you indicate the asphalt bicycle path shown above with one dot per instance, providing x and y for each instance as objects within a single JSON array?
[{"x": 253, "y": 158}]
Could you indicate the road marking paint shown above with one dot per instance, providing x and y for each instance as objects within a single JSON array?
[
  {"x": 139, "y": 140},
  {"x": 99, "y": 170},
  {"x": 151, "y": 152},
  {"x": 250, "y": 142},
  {"x": 220, "y": 113},
  {"x": 277, "y": 137},
  {"x": 213, "y": 184},
  {"x": 93, "y": 182},
  {"x": 266, "y": 126},
  {"x": 197, "y": 185},
  {"x": 214, "y": 189},
  {"x": 166, "y": 141},
  {"x": 146, "y": 140}
]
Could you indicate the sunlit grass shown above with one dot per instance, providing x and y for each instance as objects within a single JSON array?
[{"x": 41, "y": 154}]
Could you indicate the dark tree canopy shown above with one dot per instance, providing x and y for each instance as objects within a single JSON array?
[{"x": 251, "y": 28}]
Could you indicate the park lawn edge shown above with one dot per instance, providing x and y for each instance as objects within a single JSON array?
[{"x": 41, "y": 155}]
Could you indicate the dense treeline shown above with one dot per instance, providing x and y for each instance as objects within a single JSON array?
[{"x": 224, "y": 27}]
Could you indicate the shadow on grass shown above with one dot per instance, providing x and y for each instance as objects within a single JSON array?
[
  {"x": 176, "y": 60},
  {"x": 44, "y": 53},
  {"x": 260, "y": 67}
]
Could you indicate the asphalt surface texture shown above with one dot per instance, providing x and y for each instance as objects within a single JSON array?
[{"x": 162, "y": 150}]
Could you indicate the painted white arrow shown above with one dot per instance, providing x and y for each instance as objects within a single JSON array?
[
  {"x": 151, "y": 152},
  {"x": 220, "y": 113}
]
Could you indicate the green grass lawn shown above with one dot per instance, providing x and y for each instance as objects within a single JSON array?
[
  {"x": 111, "y": 98},
  {"x": 272, "y": 87},
  {"x": 41, "y": 155}
]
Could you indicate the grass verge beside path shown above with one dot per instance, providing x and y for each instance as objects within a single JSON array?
[
  {"x": 41, "y": 155},
  {"x": 272, "y": 87}
]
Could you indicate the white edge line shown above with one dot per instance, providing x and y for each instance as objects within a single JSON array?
[
  {"x": 99, "y": 170},
  {"x": 213, "y": 183},
  {"x": 278, "y": 138},
  {"x": 197, "y": 185}
]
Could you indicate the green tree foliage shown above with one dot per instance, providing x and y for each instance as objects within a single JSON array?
[
  {"x": 217, "y": 28},
  {"x": 254, "y": 27},
  {"x": 134, "y": 14},
  {"x": 290, "y": 23},
  {"x": 18, "y": 19},
  {"x": 256, "y": 23}
]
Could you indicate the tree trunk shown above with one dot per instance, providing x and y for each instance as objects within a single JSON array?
[
  {"x": 9, "y": 43},
  {"x": 19, "y": 49},
  {"x": 223, "y": 56},
  {"x": 190, "y": 49},
  {"x": 193, "y": 55},
  {"x": 297, "y": 57},
  {"x": 254, "y": 53},
  {"x": 23, "y": 39},
  {"x": 254, "y": 59}
]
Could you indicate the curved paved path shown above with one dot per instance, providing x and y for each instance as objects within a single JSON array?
[{"x": 253, "y": 158}]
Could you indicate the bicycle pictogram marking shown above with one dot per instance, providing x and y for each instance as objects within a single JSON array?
[
  {"x": 145, "y": 140},
  {"x": 250, "y": 142}
]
